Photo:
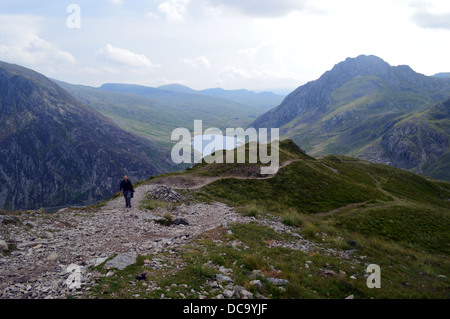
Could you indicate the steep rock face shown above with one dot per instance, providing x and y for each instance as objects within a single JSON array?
[
  {"x": 420, "y": 143},
  {"x": 55, "y": 151}
]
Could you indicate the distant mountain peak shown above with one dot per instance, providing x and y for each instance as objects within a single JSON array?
[
  {"x": 354, "y": 105},
  {"x": 361, "y": 66}
]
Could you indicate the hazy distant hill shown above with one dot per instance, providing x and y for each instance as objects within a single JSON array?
[
  {"x": 442, "y": 75},
  {"x": 156, "y": 112},
  {"x": 55, "y": 150},
  {"x": 265, "y": 100},
  {"x": 350, "y": 109}
]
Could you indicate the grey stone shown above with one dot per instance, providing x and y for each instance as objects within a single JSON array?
[
  {"x": 223, "y": 278},
  {"x": 181, "y": 221},
  {"x": 96, "y": 261},
  {"x": 225, "y": 271},
  {"x": 32, "y": 243},
  {"x": 49, "y": 235},
  {"x": 256, "y": 283},
  {"x": 53, "y": 257},
  {"x": 330, "y": 273},
  {"x": 3, "y": 245},
  {"x": 278, "y": 282},
  {"x": 350, "y": 297},
  {"x": 122, "y": 261},
  {"x": 241, "y": 293},
  {"x": 246, "y": 294},
  {"x": 228, "y": 294}
]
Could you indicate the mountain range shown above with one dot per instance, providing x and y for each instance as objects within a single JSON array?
[
  {"x": 64, "y": 144},
  {"x": 368, "y": 109},
  {"x": 56, "y": 150},
  {"x": 262, "y": 100},
  {"x": 156, "y": 112}
]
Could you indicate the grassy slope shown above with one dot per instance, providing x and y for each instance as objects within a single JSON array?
[{"x": 390, "y": 217}]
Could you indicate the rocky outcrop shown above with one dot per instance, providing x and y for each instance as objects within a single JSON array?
[
  {"x": 416, "y": 144},
  {"x": 413, "y": 144}
]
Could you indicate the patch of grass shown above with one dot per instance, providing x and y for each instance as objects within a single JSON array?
[
  {"x": 411, "y": 224},
  {"x": 292, "y": 218},
  {"x": 166, "y": 220},
  {"x": 249, "y": 211},
  {"x": 254, "y": 262},
  {"x": 152, "y": 204}
]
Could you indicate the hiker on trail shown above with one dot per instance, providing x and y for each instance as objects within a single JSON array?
[{"x": 127, "y": 189}]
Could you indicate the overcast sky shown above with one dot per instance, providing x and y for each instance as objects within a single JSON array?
[{"x": 252, "y": 44}]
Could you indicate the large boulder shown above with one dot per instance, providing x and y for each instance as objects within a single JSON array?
[{"x": 122, "y": 261}]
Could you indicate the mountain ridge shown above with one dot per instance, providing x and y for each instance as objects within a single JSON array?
[
  {"x": 56, "y": 150},
  {"x": 349, "y": 109}
]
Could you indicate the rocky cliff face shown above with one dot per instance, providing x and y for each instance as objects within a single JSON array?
[
  {"x": 419, "y": 143},
  {"x": 55, "y": 150}
]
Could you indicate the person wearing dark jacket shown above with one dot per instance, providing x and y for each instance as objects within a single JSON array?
[{"x": 126, "y": 188}]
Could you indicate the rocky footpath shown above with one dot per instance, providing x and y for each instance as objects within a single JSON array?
[
  {"x": 51, "y": 256},
  {"x": 40, "y": 251}
]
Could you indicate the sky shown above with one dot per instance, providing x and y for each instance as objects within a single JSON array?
[{"x": 258, "y": 45}]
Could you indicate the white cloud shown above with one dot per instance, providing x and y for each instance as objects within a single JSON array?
[
  {"x": 152, "y": 15},
  {"x": 265, "y": 53},
  {"x": 232, "y": 71},
  {"x": 200, "y": 62},
  {"x": 175, "y": 10},
  {"x": 21, "y": 43},
  {"x": 259, "y": 8},
  {"x": 125, "y": 57},
  {"x": 427, "y": 19}
]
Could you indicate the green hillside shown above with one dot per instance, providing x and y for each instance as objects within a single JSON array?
[{"x": 341, "y": 214}]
